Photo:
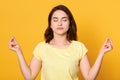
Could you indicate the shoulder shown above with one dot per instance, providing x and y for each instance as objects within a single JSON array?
[
  {"x": 77, "y": 43},
  {"x": 41, "y": 45}
]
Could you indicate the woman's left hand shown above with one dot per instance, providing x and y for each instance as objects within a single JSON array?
[{"x": 107, "y": 46}]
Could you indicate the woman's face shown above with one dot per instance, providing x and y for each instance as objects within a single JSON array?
[{"x": 60, "y": 22}]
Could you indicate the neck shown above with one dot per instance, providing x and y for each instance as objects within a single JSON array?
[{"x": 59, "y": 40}]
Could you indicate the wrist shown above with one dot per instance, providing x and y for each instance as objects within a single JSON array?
[
  {"x": 18, "y": 51},
  {"x": 101, "y": 53}
]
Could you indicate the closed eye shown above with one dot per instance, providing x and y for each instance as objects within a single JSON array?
[
  {"x": 64, "y": 20},
  {"x": 55, "y": 20}
]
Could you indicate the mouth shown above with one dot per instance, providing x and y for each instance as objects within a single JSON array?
[{"x": 60, "y": 28}]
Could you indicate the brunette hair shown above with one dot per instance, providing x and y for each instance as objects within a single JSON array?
[{"x": 71, "y": 33}]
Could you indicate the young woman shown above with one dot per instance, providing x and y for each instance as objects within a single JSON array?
[{"x": 60, "y": 56}]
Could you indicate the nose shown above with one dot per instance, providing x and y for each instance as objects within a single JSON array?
[{"x": 59, "y": 23}]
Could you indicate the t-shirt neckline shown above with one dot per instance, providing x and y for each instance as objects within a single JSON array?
[{"x": 52, "y": 47}]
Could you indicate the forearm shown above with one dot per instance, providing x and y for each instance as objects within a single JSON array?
[
  {"x": 29, "y": 72},
  {"x": 23, "y": 66},
  {"x": 90, "y": 73},
  {"x": 96, "y": 67}
]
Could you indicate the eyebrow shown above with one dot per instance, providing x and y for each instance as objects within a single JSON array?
[{"x": 62, "y": 17}]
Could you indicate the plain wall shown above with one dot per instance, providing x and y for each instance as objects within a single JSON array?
[{"x": 27, "y": 21}]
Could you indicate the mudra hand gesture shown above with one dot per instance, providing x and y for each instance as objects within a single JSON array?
[
  {"x": 13, "y": 45},
  {"x": 107, "y": 46}
]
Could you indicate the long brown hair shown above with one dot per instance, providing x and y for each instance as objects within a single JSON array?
[{"x": 71, "y": 33}]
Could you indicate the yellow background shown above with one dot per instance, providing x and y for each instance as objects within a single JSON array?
[{"x": 27, "y": 21}]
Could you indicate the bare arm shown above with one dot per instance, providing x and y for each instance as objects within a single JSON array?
[
  {"x": 90, "y": 73},
  {"x": 29, "y": 72}
]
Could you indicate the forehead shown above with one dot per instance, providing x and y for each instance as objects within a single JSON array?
[{"x": 59, "y": 13}]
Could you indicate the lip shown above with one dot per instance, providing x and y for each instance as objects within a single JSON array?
[{"x": 60, "y": 28}]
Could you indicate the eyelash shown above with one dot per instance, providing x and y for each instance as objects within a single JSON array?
[
  {"x": 62, "y": 20},
  {"x": 55, "y": 20},
  {"x": 65, "y": 20}
]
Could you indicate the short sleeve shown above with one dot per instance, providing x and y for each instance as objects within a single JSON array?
[
  {"x": 37, "y": 52},
  {"x": 84, "y": 50}
]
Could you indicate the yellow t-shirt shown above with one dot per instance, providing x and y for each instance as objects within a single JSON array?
[{"x": 60, "y": 64}]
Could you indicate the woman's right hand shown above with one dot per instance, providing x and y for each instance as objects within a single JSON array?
[{"x": 13, "y": 45}]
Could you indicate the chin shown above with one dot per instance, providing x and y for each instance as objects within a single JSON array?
[{"x": 61, "y": 33}]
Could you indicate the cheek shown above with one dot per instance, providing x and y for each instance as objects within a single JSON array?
[
  {"x": 67, "y": 25},
  {"x": 53, "y": 24}
]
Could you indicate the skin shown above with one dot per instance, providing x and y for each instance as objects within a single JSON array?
[{"x": 60, "y": 25}]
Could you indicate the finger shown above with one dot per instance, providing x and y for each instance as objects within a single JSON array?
[
  {"x": 11, "y": 44},
  {"x": 108, "y": 41},
  {"x": 111, "y": 42},
  {"x": 13, "y": 40}
]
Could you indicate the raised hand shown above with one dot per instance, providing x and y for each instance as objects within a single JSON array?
[
  {"x": 107, "y": 46},
  {"x": 13, "y": 45}
]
